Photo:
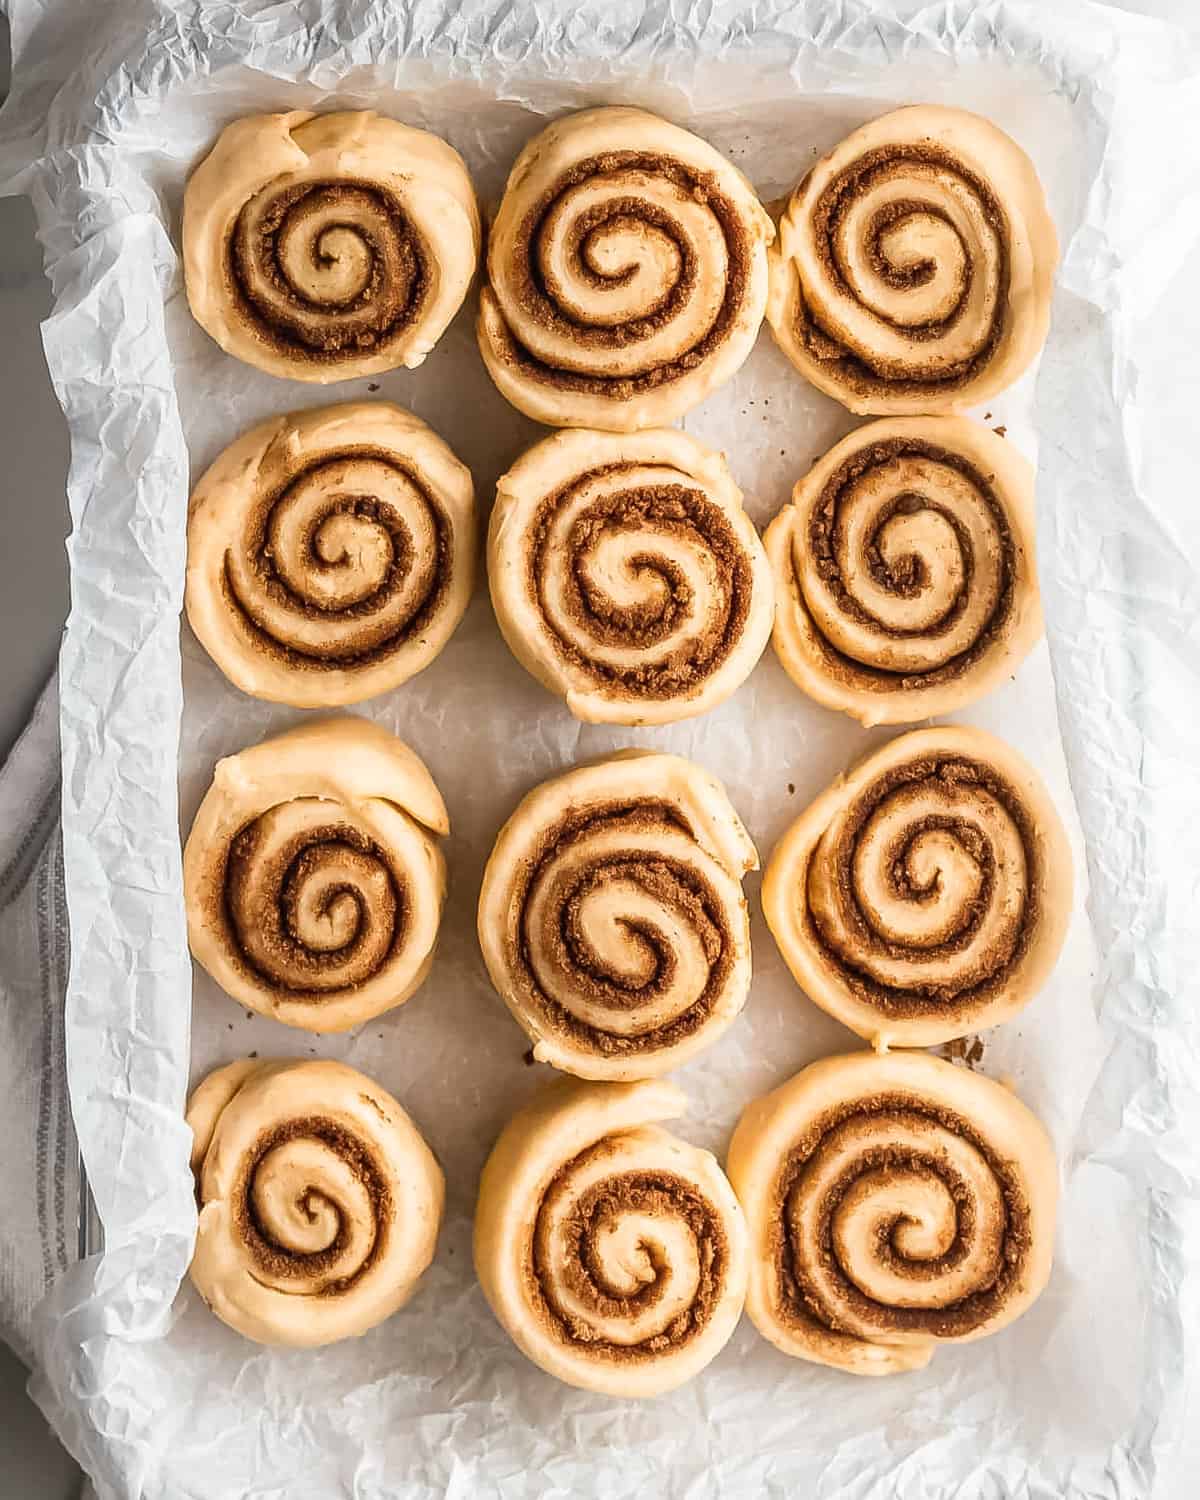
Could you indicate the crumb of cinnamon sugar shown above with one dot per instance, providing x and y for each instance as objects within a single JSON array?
[{"x": 966, "y": 1050}]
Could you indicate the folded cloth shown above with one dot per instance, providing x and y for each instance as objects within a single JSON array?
[{"x": 39, "y": 1161}]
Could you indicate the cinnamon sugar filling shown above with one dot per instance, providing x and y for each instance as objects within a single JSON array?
[
  {"x": 261, "y": 888},
  {"x": 370, "y": 641},
  {"x": 800, "y": 1301},
  {"x": 383, "y": 306},
  {"x": 674, "y": 511},
  {"x": 860, "y": 369},
  {"x": 582, "y": 1274},
  {"x": 673, "y": 884},
  {"x": 906, "y": 578},
  {"x": 277, "y": 1260},
  {"x": 536, "y": 292},
  {"x": 972, "y": 985}
]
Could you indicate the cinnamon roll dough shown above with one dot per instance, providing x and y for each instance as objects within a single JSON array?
[
  {"x": 323, "y": 247},
  {"x": 627, "y": 273},
  {"x": 312, "y": 874},
  {"x": 612, "y": 919},
  {"x": 905, "y": 570},
  {"x": 926, "y": 893},
  {"x": 625, "y": 575},
  {"x": 613, "y": 1254},
  {"x": 914, "y": 265},
  {"x": 319, "y": 1201},
  {"x": 331, "y": 554},
  {"x": 893, "y": 1203}
]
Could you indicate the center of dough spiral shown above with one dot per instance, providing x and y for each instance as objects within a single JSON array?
[
  {"x": 923, "y": 887},
  {"x": 914, "y": 250},
  {"x": 310, "y": 1207},
  {"x": 347, "y": 562},
  {"x": 631, "y": 269},
  {"x": 314, "y": 903},
  {"x": 626, "y": 941},
  {"x": 640, "y": 577},
  {"x": 628, "y": 1260},
  {"x": 332, "y": 268},
  {"x": 899, "y": 1218},
  {"x": 912, "y": 562}
]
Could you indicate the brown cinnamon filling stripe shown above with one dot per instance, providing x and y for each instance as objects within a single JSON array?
[
  {"x": 582, "y": 1274},
  {"x": 906, "y": 580},
  {"x": 970, "y": 989},
  {"x": 385, "y": 306},
  {"x": 861, "y": 369},
  {"x": 667, "y": 880},
  {"x": 666, "y": 510},
  {"x": 365, "y": 647},
  {"x": 537, "y": 297},
  {"x": 277, "y": 1260},
  {"x": 261, "y": 894},
  {"x": 801, "y": 1302}
]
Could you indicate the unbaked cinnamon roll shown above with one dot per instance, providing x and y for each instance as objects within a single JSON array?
[
  {"x": 905, "y": 573},
  {"x": 627, "y": 273},
  {"x": 612, "y": 919},
  {"x": 312, "y": 874},
  {"x": 893, "y": 1203},
  {"x": 331, "y": 553},
  {"x": 613, "y": 1254},
  {"x": 927, "y": 893},
  {"x": 626, "y": 576},
  {"x": 319, "y": 1201},
  {"x": 914, "y": 265},
  {"x": 322, "y": 247}
]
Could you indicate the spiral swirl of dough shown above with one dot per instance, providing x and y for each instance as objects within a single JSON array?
[
  {"x": 612, "y": 918},
  {"x": 613, "y": 1253},
  {"x": 312, "y": 875},
  {"x": 331, "y": 554},
  {"x": 927, "y": 893},
  {"x": 893, "y": 1203},
  {"x": 627, "y": 577},
  {"x": 914, "y": 265},
  {"x": 627, "y": 273},
  {"x": 322, "y": 247},
  {"x": 319, "y": 1201},
  {"x": 905, "y": 570}
]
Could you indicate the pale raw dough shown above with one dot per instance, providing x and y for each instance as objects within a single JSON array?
[
  {"x": 312, "y": 874},
  {"x": 600, "y": 326},
  {"x": 639, "y": 854},
  {"x": 594, "y": 539},
  {"x": 926, "y": 598},
  {"x": 653, "y": 1290},
  {"x": 926, "y": 893},
  {"x": 331, "y": 554},
  {"x": 914, "y": 265},
  {"x": 892, "y": 1203},
  {"x": 289, "y": 1159},
  {"x": 324, "y": 247}
]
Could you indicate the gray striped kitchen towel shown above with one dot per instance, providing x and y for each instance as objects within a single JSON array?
[{"x": 39, "y": 1163}]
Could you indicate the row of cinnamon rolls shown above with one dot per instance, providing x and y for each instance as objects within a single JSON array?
[
  {"x": 629, "y": 264},
  {"x": 331, "y": 554},
  {"x": 923, "y": 896},
  {"x": 871, "y": 1208}
]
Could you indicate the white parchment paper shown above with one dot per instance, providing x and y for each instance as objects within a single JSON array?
[{"x": 1080, "y": 1398}]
